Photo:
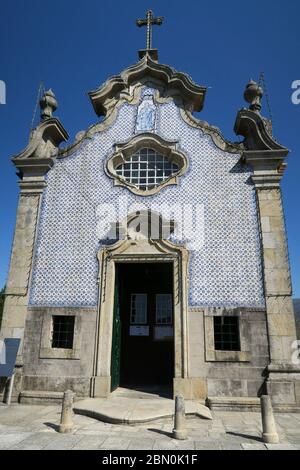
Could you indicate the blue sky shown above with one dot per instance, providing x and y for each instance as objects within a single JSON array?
[{"x": 74, "y": 46}]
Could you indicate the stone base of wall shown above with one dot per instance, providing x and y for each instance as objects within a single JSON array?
[
  {"x": 192, "y": 388},
  {"x": 283, "y": 385},
  {"x": 43, "y": 384},
  {"x": 35, "y": 397},
  {"x": 233, "y": 403}
]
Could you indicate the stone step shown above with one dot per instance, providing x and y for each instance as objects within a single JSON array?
[
  {"x": 123, "y": 410},
  {"x": 147, "y": 393}
]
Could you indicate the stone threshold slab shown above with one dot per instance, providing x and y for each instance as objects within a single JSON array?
[{"x": 122, "y": 410}]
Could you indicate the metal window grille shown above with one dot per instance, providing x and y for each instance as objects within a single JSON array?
[
  {"x": 63, "y": 331},
  {"x": 138, "y": 310},
  {"x": 164, "y": 309},
  {"x": 226, "y": 332},
  {"x": 146, "y": 169}
]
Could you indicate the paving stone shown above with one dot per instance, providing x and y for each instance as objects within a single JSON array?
[
  {"x": 141, "y": 444},
  {"x": 197, "y": 435},
  {"x": 164, "y": 444},
  {"x": 188, "y": 444},
  {"x": 293, "y": 439},
  {"x": 40, "y": 439},
  {"x": 280, "y": 447},
  {"x": 115, "y": 443},
  {"x": 63, "y": 442},
  {"x": 253, "y": 447},
  {"x": 287, "y": 420},
  {"x": 9, "y": 440},
  {"x": 34, "y": 427},
  {"x": 230, "y": 446},
  {"x": 28, "y": 446},
  {"x": 14, "y": 430},
  {"x": 208, "y": 445},
  {"x": 90, "y": 442},
  {"x": 93, "y": 432}
]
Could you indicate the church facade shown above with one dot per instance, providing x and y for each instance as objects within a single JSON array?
[{"x": 151, "y": 252}]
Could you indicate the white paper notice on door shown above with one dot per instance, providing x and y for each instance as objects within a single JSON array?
[
  {"x": 163, "y": 332},
  {"x": 139, "y": 330}
]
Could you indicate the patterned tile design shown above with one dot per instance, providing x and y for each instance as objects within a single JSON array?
[{"x": 225, "y": 270}]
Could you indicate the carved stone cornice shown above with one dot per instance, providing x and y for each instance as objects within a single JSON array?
[
  {"x": 192, "y": 94},
  {"x": 268, "y": 166},
  {"x": 38, "y": 157},
  {"x": 161, "y": 96},
  {"x": 213, "y": 131},
  {"x": 32, "y": 185}
]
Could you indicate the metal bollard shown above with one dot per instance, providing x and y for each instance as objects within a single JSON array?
[
  {"x": 179, "y": 431},
  {"x": 269, "y": 433},
  {"x": 66, "y": 422}
]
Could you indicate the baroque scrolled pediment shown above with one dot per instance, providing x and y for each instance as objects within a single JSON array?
[
  {"x": 38, "y": 157},
  {"x": 253, "y": 127},
  {"x": 261, "y": 150},
  {"x": 191, "y": 93}
]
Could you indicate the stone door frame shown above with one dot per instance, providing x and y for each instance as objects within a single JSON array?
[{"x": 139, "y": 251}]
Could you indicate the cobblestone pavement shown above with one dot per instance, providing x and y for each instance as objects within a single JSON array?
[{"x": 35, "y": 427}]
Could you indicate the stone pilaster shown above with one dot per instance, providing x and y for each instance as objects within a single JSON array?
[
  {"x": 16, "y": 292},
  {"x": 277, "y": 279},
  {"x": 20, "y": 264},
  {"x": 267, "y": 157},
  {"x": 32, "y": 163},
  {"x": 283, "y": 382}
]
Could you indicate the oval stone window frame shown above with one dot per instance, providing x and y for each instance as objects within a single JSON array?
[{"x": 163, "y": 147}]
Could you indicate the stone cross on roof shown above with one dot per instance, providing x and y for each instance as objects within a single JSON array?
[{"x": 149, "y": 21}]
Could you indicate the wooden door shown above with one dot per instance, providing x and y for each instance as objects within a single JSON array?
[{"x": 116, "y": 339}]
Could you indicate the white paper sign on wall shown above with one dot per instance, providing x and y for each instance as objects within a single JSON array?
[{"x": 139, "y": 330}]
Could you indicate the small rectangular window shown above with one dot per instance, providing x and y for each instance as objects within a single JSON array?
[
  {"x": 226, "y": 332},
  {"x": 164, "y": 309},
  {"x": 63, "y": 331},
  {"x": 138, "y": 310}
]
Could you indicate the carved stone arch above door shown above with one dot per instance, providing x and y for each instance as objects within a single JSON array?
[
  {"x": 143, "y": 224},
  {"x": 140, "y": 250}
]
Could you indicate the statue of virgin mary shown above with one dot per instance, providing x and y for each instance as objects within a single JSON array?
[{"x": 145, "y": 120}]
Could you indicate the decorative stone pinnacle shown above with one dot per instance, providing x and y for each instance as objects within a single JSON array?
[
  {"x": 48, "y": 104},
  {"x": 253, "y": 95}
]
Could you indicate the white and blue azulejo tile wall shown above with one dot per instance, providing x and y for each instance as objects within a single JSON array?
[{"x": 225, "y": 270}]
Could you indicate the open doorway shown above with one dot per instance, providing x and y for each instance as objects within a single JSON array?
[{"x": 143, "y": 332}]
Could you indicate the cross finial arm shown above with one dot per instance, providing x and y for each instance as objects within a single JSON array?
[{"x": 149, "y": 21}]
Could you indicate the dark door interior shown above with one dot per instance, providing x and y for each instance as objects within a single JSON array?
[{"x": 145, "y": 313}]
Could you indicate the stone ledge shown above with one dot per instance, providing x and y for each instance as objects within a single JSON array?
[
  {"x": 284, "y": 368},
  {"x": 234, "y": 403},
  {"x": 37, "y": 397},
  {"x": 290, "y": 408}
]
